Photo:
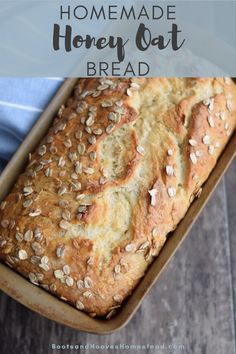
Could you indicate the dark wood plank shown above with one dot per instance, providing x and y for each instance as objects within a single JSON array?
[
  {"x": 230, "y": 186},
  {"x": 191, "y": 305}
]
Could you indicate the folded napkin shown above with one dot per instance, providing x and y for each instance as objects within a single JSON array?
[{"x": 21, "y": 102}]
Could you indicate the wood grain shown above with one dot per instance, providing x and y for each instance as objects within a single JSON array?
[
  {"x": 230, "y": 192},
  {"x": 192, "y": 305}
]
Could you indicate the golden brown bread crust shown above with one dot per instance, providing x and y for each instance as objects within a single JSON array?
[{"x": 115, "y": 174}]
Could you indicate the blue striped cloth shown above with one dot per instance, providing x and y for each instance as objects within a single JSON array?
[{"x": 21, "y": 102}]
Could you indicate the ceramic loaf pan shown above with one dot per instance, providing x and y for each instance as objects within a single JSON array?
[{"x": 53, "y": 308}]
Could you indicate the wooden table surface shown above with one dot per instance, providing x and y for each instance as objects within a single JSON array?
[{"x": 191, "y": 308}]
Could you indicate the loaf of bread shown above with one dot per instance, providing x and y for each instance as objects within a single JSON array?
[{"x": 114, "y": 176}]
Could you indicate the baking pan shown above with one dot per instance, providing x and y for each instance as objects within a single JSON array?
[{"x": 55, "y": 309}]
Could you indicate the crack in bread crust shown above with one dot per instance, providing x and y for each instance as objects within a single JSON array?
[{"x": 114, "y": 176}]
